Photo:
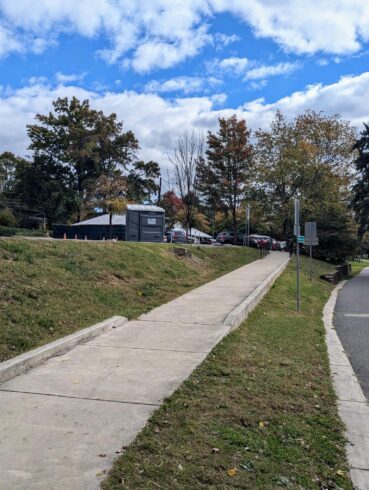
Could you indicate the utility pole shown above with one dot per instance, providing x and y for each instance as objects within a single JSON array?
[{"x": 297, "y": 234}]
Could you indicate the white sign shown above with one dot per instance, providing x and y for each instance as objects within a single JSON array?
[{"x": 151, "y": 221}]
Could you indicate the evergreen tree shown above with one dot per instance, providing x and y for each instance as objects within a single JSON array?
[{"x": 360, "y": 200}]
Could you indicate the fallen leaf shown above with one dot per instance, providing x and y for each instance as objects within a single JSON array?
[
  {"x": 232, "y": 472},
  {"x": 263, "y": 424},
  {"x": 102, "y": 455},
  {"x": 340, "y": 473}
]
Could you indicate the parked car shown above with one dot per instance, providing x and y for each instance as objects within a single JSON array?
[
  {"x": 225, "y": 237},
  {"x": 253, "y": 241},
  {"x": 176, "y": 236},
  {"x": 281, "y": 245},
  {"x": 206, "y": 240},
  {"x": 228, "y": 237}
]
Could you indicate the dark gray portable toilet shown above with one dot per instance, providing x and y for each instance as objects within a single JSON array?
[{"x": 144, "y": 223}]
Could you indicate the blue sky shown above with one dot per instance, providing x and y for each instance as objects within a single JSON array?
[{"x": 168, "y": 66}]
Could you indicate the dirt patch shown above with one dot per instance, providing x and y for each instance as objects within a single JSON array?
[{"x": 115, "y": 279}]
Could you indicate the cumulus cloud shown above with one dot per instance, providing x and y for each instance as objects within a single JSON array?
[
  {"x": 158, "y": 122},
  {"x": 161, "y": 33}
]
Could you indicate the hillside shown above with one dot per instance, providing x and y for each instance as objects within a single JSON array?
[{"x": 49, "y": 289}]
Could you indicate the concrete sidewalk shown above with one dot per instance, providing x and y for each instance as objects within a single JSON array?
[{"x": 63, "y": 423}]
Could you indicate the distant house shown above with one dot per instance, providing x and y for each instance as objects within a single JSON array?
[{"x": 145, "y": 223}]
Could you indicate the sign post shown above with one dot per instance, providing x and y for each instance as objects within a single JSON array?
[
  {"x": 297, "y": 235},
  {"x": 248, "y": 226},
  {"x": 311, "y": 240}
]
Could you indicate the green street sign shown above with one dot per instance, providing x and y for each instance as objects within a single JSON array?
[{"x": 301, "y": 239}]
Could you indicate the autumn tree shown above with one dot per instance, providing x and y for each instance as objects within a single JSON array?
[
  {"x": 297, "y": 157},
  {"x": 172, "y": 204},
  {"x": 109, "y": 194},
  {"x": 360, "y": 198},
  {"x": 188, "y": 153},
  {"x": 228, "y": 168}
]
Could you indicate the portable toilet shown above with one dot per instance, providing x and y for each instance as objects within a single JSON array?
[{"x": 145, "y": 223}]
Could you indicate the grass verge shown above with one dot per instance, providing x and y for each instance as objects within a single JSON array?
[
  {"x": 49, "y": 289},
  {"x": 358, "y": 265},
  {"x": 259, "y": 413}
]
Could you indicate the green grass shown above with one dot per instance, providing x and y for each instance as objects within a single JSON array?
[
  {"x": 11, "y": 231},
  {"x": 261, "y": 408},
  {"x": 358, "y": 265},
  {"x": 49, "y": 289}
]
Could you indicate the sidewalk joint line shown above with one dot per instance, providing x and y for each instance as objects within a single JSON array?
[
  {"x": 176, "y": 323},
  {"x": 143, "y": 348},
  {"x": 79, "y": 397}
]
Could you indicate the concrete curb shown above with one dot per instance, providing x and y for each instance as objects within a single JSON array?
[
  {"x": 351, "y": 402},
  {"x": 236, "y": 317},
  {"x": 19, "y": 364}
]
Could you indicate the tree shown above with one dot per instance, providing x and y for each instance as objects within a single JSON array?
[
  {"x": 142, "y": 181},
  {"x": 42, "y": 187},
  {"x": 68, "y": 137},
  {"x": 297, "y": 157},
  {"x": 223, "y": 177},
  {"x": 360, "y": 191},
  {"x": 172, "y": 204},
  {"x": 188, "y": 154},
  {"x": 8, "y": 165},
  {"x": 109, "y": 193}
]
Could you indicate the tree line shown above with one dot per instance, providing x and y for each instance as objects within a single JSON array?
[{"x": 84, "y": 161}]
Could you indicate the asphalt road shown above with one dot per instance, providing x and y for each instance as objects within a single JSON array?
[{"x": 351, "y": 320}]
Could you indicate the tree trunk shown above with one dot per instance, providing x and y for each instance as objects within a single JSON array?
[{"x": 234, "y": 219}]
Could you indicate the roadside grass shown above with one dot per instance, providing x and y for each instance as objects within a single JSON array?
[
  {"x": 259, "y": 413},
  {"x": 49, "y": 289},
  {"x": 6, "y": 231},
  {"x": 358, "y": 265}
]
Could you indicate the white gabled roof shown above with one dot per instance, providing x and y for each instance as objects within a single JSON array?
[
  {"x": 118, "y": 219},
  {"x": 193, "y": 232},
  {"x": 144, "y": 207}
]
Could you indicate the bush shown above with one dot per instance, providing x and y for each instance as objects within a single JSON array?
[{"x": 7, "y": 217}]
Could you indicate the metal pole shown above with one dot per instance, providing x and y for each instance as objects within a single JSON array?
[
  {"x": 311, "y": 252},
  {"x": 297, "y": 233},
  {"x": 248, "y": 225}
]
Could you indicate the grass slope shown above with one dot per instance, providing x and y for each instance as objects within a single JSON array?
[
  {"x": 49, "y": 289},
  {"x": 259, "y": 413}
]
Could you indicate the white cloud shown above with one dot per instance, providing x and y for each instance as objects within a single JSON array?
[
  {"x": 161, "y": 33},
  {"x": 250, "y": 69},
  {"x": 222, "y": 40},
  {"x": 72, "y": 77},
  {"x": 158, "y": 122},
  {"x": 266, "y": 71},
  {"x": 305, "y": 26},
  {"x": 187, "y": 85},
  {"x": 232, "y": 66}
]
